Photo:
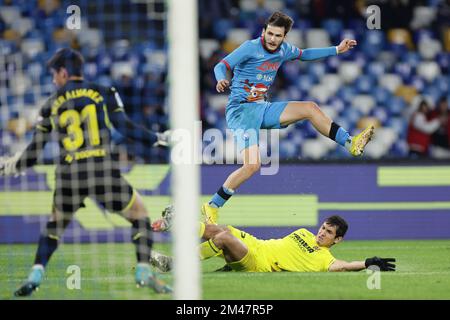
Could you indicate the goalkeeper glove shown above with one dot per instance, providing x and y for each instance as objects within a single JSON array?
[
  {"x": 163, "y": 139},
  {"x": 165, "y": 222},
  {"x": 385, "y": 264},
  {"x": 8, "y": 165}
]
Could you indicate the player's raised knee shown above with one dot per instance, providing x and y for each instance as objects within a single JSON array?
[
  {"x": 312, "y": 108},
  {"x": 211, "y": 230},
  {"x": 252, "y": 168},
  {"x": 222, "y": 238}
]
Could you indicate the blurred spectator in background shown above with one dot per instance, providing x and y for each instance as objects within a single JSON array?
[
  {"x": 420, "y": 130},
  {"x": 440, "y": 138}
]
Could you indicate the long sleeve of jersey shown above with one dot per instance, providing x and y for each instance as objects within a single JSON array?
[
  {"x": 317, "y": 53},
  {"x": 41, "y": 135},
  {"x": 220, "y": 71},
  {"x": 234, "y": 58},
  {"x": 124, "y": 125},
  {"x": 31, "y": 153}
]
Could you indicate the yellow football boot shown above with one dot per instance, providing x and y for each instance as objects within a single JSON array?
[
  {"x": 210, "y": 215},
  {"x": 361, "y": 140}
]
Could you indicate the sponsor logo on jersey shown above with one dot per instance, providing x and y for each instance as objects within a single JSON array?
[
  {"x": 302, "y": 243},
  {"x": 269, "y": 66}
]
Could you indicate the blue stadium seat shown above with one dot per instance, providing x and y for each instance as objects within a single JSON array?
[
  {"x": 346, "y": 93},
  {"x": 352, "y": 115},
  {"x": 395, "y": 106},
  {"x": 421, "y": 34},
  {"x": 11, "y": 100},
  {"x": 29, "y": 98},
  {"x": 399, "y": 49},
  {"x": 358, "y": 26},
  {"x": 247, "y": 19},
  {"x": 292, "y": 12},
  {"x": 332, "y": 64},
  {"x": 27, "y": 7},
  {"x": 418, "y": 82},
  {"x": 302, "y": 24},
  {"x": 297, "y": 136},
  {"x": 434, "y": 92},
  {"x": 221, "y": 28},
  {"x": 381, "y": 95},
  {"x": 7, "y": 47},
  {"x": 442, "y": 83},
  {"x": 365, "y": 83},
  {"x": 411, "y": 58},
  {"x": 34, "y": 71},
  {"x": 336, "y": 103},
  {"x": 307, "y": 129},
  {"x": 288, "y": 150},
  {"x": 399, "y": 149},
  {"x": 90, "y": 71},
  {"x": 294, "y": 93},
  {"x": 443, "y": 59},
  {"x": 305, "y": 82},
  {"x": 45, "y": 78},
  {"x": 291, "y": 72},
  {"x": 334, "y": 28},
  {"x": 373, "y": 43},
  {"x": 350, "y": 34},
  {"x": 381, "y": 114},
  {"x": 404, "y": 70},
  {"x": 375, "y": 68},
  {"x": 316, "y": 70}
]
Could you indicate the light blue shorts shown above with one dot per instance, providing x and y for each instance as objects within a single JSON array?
[{"x": 247, "y": 118}]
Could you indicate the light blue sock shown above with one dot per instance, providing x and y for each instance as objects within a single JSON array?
[
  {"x": 343, "y": 137},
  {"x": 221, "y": 197}
]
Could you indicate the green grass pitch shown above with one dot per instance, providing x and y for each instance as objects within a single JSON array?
[{"x": 107, "y": 273}]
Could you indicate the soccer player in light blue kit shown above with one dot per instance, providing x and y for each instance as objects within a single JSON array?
[{"x": 254, "y": 65}]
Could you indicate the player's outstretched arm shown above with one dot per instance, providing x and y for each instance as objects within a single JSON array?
[
  {"x": 130, "y": 130},
  {"x": 341, "y": 265},
  {"x": 319, "y": 53},
  {"x": 126, "y": 127},
  {"x": 384, "y": 264},
  {"x": 20, "y": 162}
]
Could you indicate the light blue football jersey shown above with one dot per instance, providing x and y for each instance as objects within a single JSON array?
[{"x": 254, "y": 69}]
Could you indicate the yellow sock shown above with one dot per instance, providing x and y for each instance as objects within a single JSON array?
[{"x": 208, "y": 250}]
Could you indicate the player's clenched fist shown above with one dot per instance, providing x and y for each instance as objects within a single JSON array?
[
  {"x": 346, "y": 45},
  {"x": 222, "y": 85}
]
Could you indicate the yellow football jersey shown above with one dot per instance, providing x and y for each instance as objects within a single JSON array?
[{"x": 297, "y": 252}]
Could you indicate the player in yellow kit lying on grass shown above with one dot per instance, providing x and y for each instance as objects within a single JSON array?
[{"x": 300, "y": 251}]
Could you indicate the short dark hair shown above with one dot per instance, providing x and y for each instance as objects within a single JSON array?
[
  {"x": 422, "y": 103},
  {"x": 69, "y": 59},
  {"x": 279, "y": 19},
  {"x": 340, "y": 223}
]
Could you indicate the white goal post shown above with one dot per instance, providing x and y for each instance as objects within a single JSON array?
[{"x": 184, "y": 105}]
